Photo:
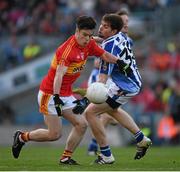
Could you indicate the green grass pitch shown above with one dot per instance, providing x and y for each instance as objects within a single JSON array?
[{"x": 46, "y": 159}]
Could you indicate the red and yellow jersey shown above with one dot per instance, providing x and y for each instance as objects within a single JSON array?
[{"x": 73, "y": 56}]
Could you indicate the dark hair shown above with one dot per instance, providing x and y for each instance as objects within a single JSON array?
[
  {"x": 85, "y": 22},
  {"x": 114, "y": 20},
  {"x": 122, "y": 12}
]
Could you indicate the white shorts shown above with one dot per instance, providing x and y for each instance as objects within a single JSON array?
[
  {"x": 46, "y": 103},
  {"x": 113, "y": 90}
]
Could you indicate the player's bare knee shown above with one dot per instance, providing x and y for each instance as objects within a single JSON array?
[
  {"x": 81, "y": 126},
  {"x": 53, "y": 136}
]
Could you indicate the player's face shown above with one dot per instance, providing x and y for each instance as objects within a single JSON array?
[
  {"x": 125, "y": 20},
  {"x": 83, "y": 36},
  {"x": 105, "y": 30}
]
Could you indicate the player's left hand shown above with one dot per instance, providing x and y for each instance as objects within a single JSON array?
[{"x": 80, "y": 105}]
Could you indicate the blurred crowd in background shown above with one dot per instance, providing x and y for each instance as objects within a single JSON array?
[{"x": 30, "y": 29}]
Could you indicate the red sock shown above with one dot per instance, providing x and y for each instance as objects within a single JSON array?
[
  {"x": 25, "y": 136},
  {"x": 66, "y": 154}
]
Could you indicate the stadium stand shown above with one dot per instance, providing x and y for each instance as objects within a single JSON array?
[{"x": 154, "y": 28}]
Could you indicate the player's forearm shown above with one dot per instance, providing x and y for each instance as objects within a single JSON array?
[
  {"x": 109, "y": 57},
  {"x": 60, "y": 71},
  {"x": 98, "y": 39},
  {"x": 57, "y": 84}
]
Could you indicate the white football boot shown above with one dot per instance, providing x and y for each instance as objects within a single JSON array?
[
  {"x": 142, "y": 147},
  {"x": 104, "y": 159}
]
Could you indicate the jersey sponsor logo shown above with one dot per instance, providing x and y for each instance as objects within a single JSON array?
[{"x": 77, "y": 69}]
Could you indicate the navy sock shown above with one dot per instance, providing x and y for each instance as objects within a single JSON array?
[
  {"x": 139, "y": 136},
  {"x": 106, "y": 151},
  {"x": 93, "y": 146}
]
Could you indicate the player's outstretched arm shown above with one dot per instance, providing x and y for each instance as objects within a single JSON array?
[
  {"x": 123, "y": 67},
  {"x": 109, "y": 57},
  {"x": 58, "y": 103},
  {"x": 98, "y": 39}
]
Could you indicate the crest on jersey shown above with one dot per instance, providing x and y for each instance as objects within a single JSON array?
[{"x": 82, "y": 55}]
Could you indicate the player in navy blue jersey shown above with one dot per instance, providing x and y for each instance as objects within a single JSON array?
[
  {"x": 105, "y": 118},
  {"x": 124, "y": 83}
]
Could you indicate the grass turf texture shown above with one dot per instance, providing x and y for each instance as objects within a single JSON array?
[{"x": 46, "y": 159}]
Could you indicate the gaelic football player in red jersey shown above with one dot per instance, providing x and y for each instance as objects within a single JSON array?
[{"x": 55, "y": 95}]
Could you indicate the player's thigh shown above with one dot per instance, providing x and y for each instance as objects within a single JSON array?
[
  {"x": 97, "y": 109},
  {"x": 74, "y": 119},
  {"x": 107, "y": 119},
  {"x": 53, "y": 123}
]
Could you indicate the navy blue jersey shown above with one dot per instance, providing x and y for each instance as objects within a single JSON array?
[{"x": 120, "y": 45}]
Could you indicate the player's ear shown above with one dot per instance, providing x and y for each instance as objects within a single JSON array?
[
  {"x": 114, "y": 31},
  {"x": 77, "y": 30}
]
